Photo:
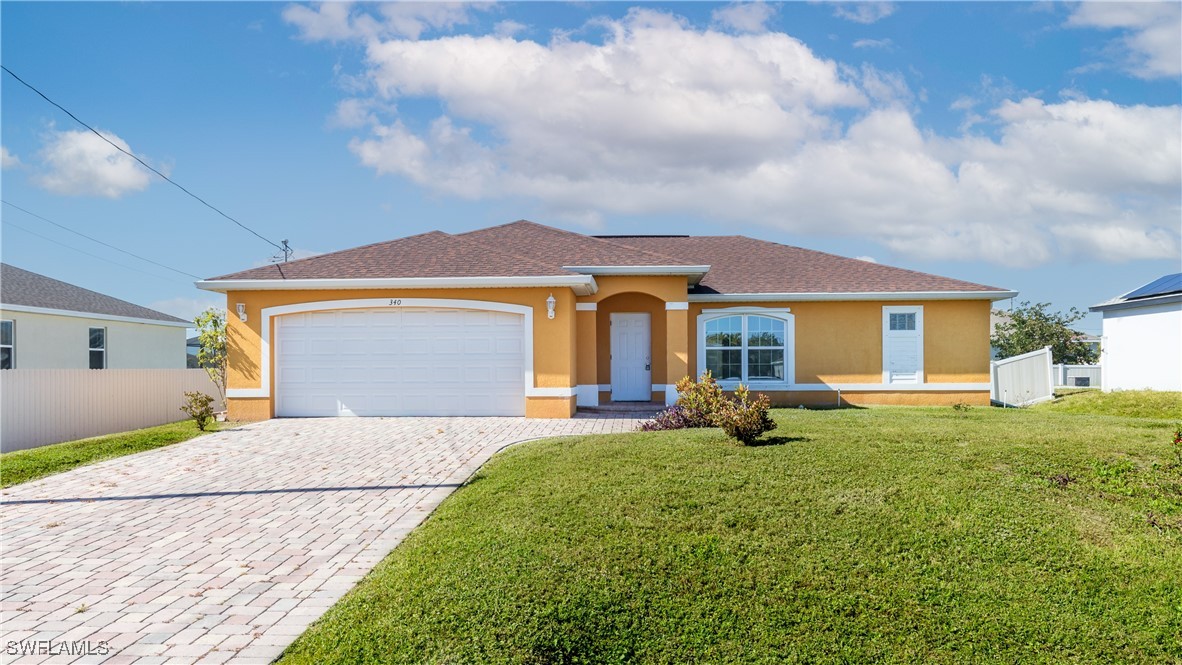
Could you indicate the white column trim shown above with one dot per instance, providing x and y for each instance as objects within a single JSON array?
[
  {"x": 676, "y": 305},
  {"x": 587, "y": 395},
  {"x": 586, "y": 306}
]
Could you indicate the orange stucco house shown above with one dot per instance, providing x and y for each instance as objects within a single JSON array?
[{"x": 525, "y": 319}]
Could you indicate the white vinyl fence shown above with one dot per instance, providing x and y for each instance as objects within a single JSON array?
[
  {"x": 43, "y": 406},
  {"x": 1077, "y": 376},
  {"x": 1023, "y": 380}
]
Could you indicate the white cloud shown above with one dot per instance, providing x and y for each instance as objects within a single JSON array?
[
  {"x": 508, "y": 28},
  {"x": 188, "y": 308},
  {"x": 661, "y": 118},
  {"x": 744, "y": 16},
  {"x": 864, "y": 12},
  {"x": 339, "y": 21},
  {"x": 868, "y": 259},
  {"x": 80, "y": 163},
  {"x": 1152, "y": 44},
  {"x": 8, "y": 160},
  {"x": 874, "y": 43}
]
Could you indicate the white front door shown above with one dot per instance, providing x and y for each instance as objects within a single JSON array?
[
  {"x": 631, "y": 354},
  {"x": 400, "y": 361}
]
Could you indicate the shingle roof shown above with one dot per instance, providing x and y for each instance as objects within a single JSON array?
[
  {"x": 433, "y": 254},
  {"x": 567, "y": 248},
  {"x": 738, "y": 264},
  {"x": 29, "y": 289}
]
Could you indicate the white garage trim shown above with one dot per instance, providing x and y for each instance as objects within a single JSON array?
[{"x": 266, "y": 314}]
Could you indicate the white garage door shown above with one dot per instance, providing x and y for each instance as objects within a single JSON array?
[{"x": 400, "y": 362}]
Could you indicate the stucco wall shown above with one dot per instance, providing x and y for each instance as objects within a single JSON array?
[
  {"x": 835, "y": 342},
  {"x": 841, "y": 342},
  {"x": 1142, "y": 348},
  {"x": 50, "y": 341},
  {"x": 554, "y": 352}
]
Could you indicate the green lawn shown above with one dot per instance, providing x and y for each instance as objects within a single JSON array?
[
  {"x": 1126, "y": 403},
  {"x": 886, "y": 534},
  {"x": 25, "y": 465}
]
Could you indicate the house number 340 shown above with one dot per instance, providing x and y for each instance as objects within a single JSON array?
[{"x": 395, "y": 301}]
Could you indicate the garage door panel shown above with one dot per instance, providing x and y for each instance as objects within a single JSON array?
[{"x": 406, "y": 361}]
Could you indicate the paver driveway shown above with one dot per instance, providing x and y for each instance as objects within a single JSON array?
[{"x": 225, "y": 547}]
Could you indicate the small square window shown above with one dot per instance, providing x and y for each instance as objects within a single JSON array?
[{"x": 903, "y": 321}]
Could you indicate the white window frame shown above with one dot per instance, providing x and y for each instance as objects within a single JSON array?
[
  {"x": 91, "y": 349},
  {"x": 917, "y": 310},
  {"x": 782, "y": 314},
  {"x": 12, "y": 346}
]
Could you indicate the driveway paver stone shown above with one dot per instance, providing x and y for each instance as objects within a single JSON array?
[{"x": 226, "y": 547}]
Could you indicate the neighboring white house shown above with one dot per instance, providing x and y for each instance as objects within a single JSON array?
[
  {"x": 1142, "y": 339},
  {"x": 49, "y": 324}
]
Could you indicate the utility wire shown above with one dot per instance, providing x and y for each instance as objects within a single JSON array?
[
  {"x": 80, "y": 251},
  {"x": 78, "y": 233},
  {"x": 142, "y": 162}
]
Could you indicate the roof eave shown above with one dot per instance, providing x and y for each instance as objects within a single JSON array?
[
  {"x": 583, "y": 285},
  {"x": 52, "y": 311},
  {"x": 693, "y": 273},
  {"x": 1121, "y": 303},
  {"x": 862, "y": 295}
]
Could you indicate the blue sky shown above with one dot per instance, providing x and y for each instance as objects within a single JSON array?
[{"x": 1029, "y": 146}]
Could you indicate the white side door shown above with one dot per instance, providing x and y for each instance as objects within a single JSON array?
[
  {"x": 902, "y": 345},
  {"x": 631, "y": 357}
]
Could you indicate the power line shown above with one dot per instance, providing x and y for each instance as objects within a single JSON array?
[
  {"x": 142, "y": 162},
  {"x": 78, "y": 233},
  {"x": 7, "y": 223}
]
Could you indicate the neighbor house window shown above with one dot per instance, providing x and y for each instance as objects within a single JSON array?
[
  {"x": 902, "y": 344},
  {"x": 98, "y": 348},
  {"x": 751, "y": 348},
  {"x": 7, "y": 345}
]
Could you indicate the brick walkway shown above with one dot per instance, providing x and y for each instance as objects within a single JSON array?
[{"x": 225, "y": 548}]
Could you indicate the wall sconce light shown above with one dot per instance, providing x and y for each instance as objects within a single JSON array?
[
  {"x": 242, "y": 311},
  {"x": 550, "y": 302}
]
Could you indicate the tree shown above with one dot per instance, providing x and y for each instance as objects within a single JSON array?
[
  {"x": 1031, "y": 327},
  {"x": 211, "y": 352}
]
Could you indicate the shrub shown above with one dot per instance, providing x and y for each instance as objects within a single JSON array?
[
  {"x": 199, "y": 407},
  {"x": 674, "y": 417},
  {"x": 702, "y": 403},
  {"x": 744, "y": 419},
  {"x": 700, "y": 400},
  {"x": 1178, "y": 445}
]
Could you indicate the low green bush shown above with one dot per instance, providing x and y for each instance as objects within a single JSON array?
[
  {"x": 745, "y": 419},
  {"x": 199, "y": 407}
]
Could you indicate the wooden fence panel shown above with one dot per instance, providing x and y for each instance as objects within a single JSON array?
[{"x": 43, "y": 406}]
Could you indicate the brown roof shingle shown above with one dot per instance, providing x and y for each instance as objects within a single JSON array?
[
  {"x": 432, "y": 254},
  {"x": 739, "y": 264},
  {"x": 567, "y": 248}
]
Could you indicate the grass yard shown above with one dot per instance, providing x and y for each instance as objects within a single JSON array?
[
  {"x": 1126, "y": 403},
  {"x": 886, "y": 534},
  {"x": 24, "y": 465}
]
